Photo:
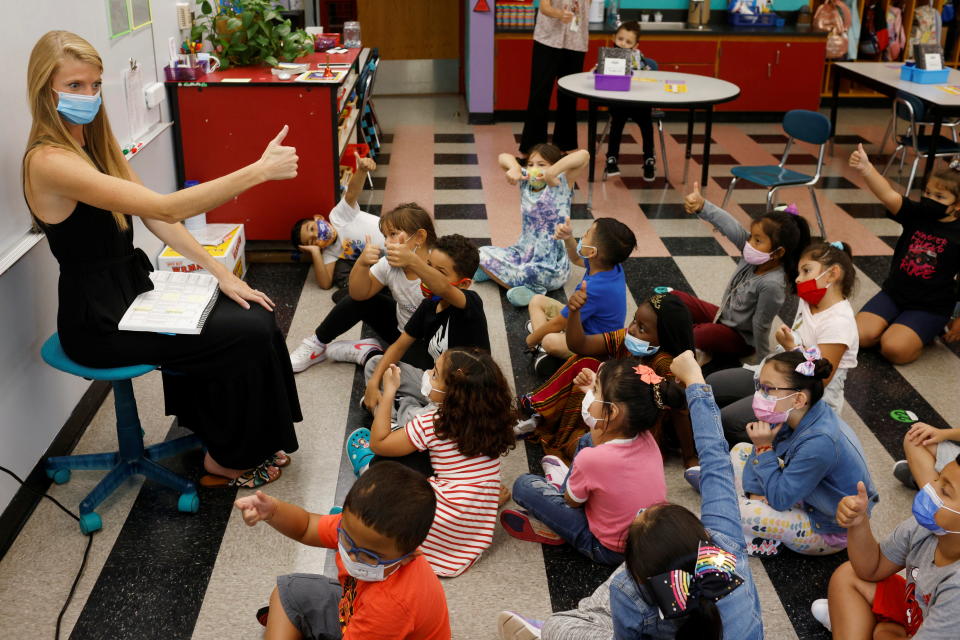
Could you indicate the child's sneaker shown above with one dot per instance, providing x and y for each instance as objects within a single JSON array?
[
  {"x": 520, "y": 296},
  {"x": 555, "y": 470},
  {"x": 358, "y": 450},
  {"x": 519, "y": 524},
  {"x": 821, "y": 612},
  {"x": 513, "y": 626},
  {"x": 649, "y": 169},
  {"x": 612, "y": 168},
  {"x": 356, "y": 351},
  {"x": 525, "y": 427},
  {"x": 308, "y": 353},
  {"x": 545, "y": 365},
  {"x": 762, "y": 548},
  {"x": 901, "y": 471},
  {"x": 529, "y": 327},
  {"x": 692, "y": 476}
]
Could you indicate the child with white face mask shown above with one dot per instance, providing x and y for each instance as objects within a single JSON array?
[
  {"x": 802, "y": 461},
  {"x": 384, "y": 587},
  {"x": 616, "y": 471},
  {"x": 868, "y": 596}
]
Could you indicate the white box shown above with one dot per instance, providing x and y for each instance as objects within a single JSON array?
[{"x": 229, "y": 253}]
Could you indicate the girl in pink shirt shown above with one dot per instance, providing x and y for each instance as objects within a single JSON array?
[{"x": 616, "y": 472}]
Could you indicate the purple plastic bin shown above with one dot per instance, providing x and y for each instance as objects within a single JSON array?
[
  {"x": 182, "y": 74},
  {"x": 602, "y": 82}
]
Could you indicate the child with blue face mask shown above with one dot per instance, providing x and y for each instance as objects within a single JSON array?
[
  {"x": 384, "y": 586},
  {"x": 867, "y": 596}
]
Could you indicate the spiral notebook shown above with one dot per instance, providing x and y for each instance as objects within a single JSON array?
[{"x": 178, "y": 303}]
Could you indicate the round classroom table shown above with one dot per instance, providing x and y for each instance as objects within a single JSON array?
[{"x": 648, "y": 88}]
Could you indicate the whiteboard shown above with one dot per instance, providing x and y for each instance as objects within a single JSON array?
[{"x": 22, "y": 25}]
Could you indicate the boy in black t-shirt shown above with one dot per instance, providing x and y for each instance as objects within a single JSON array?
[
  {"x": 918, "y": 297},
  {"x": 450, "y": 316}
]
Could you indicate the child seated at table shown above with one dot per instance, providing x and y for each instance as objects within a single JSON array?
[{"x": 334, "y": 243}]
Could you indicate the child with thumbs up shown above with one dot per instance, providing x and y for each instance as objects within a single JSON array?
[
  {"x": 868, "y": 598},
  {"x": 918, "y": 297},
  {"x": 740, "y": 325}
]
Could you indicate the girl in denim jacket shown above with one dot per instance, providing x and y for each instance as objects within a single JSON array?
[{"x": 669, "y": 546}]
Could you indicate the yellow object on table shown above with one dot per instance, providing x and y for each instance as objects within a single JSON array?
[{"x": 229, "y": 253}]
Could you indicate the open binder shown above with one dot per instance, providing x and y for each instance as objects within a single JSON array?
[{"x": 178, "y": 303}]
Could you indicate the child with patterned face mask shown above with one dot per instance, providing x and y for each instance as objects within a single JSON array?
[
  {"x": 867, "y": 594},
  {"x": 803, "y": 454},
  {"x": 825, "y": 319},
  {"x": 916, "y": 300},
  {"x": 384, "y": 586}
]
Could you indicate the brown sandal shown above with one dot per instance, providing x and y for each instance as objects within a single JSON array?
[{"x": 249, "y": 479}]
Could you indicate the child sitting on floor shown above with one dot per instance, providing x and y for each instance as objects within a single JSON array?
[
  {"x": 334, "y": 246},
  {"x": 918, "y": 297},
  {"x": 616, "y": 471},
  {"x": 385, "y": 588},
  {"x": 740, "y": 326},
  {"x": 868, "y": 598},
  {"x": 704, "y": 559},
  {"x": 928, "y": 450},
  {"x": 386, "y": 312},
  {"x": 537, "y": 263},
  {"x": 465, "y": 433},
  {"x": 450, "y": 316},
  {"x": 601, "y": 251}
]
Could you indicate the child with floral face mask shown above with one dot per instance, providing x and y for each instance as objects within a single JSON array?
[
  {"x": 825, "y": 320},
  {"x": 616, "y": 471},
  {"x": 802, "y": 453},
  {"x": 868, "y": 595}
]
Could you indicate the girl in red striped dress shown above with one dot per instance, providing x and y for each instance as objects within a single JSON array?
[{"x": 466, "y": 433}]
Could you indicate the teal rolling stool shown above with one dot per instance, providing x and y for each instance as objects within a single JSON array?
[{"x": 133, "y": 457}]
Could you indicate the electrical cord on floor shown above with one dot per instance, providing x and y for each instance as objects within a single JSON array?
[{"x": 86, "y": 553}]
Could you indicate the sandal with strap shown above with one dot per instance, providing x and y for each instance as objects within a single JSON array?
[
  {"x": 280, "y": 460},
  {"x": 358, "y": 449},
  {"x": 249, "y": 479}
]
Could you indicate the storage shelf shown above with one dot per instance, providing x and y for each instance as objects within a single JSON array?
[{"x": 351, "y": 125}]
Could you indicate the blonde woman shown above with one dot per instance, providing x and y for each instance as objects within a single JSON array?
[{"x": 232, "y": 384}]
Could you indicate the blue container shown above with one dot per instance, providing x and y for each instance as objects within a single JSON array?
[
  {"x": 923, "y": 76},
  {"x": 763, "y": 20}
]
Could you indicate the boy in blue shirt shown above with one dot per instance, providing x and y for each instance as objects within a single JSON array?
[{"x": 605, "y": 245}]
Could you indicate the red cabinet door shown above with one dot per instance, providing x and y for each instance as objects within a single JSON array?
[
  {"x": 669, "y": 52},
  {"x": 798, "y": 71},
  {"x": 749, "y": 65}
]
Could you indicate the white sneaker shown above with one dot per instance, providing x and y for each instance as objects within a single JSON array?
[
  {"x": 555, "y": 470},
  {"x": 523, "y": 427},
  {"x": 308, "y": 353},
  {"x": 821, "y": 612},
  {"x": 513, "y": 626},
  {"x": 355, "y": 351},
  {"x": 529, "y": 327}
]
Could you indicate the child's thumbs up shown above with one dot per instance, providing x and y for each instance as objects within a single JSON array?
[
  {"x": 862, "y": 493},
  {"x": 693, "y": 202}
]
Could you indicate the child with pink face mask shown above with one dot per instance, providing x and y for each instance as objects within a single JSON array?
[
  {"x": 740, "y": 325},
  {"x": 802, "y": 461}
]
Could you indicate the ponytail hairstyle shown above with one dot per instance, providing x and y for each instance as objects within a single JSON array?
[
  {"x": 787, "y": 363},
  {"x": 665, "y": 538},
  {"x": 639, "y": 391},
  {"x": 547, "y": 151},
  {"x": 829, "y": 254},
  {"x": 477, "y": 411},
  {"x": 409, "y": 217},
  {"x": 791, "y": 231}
]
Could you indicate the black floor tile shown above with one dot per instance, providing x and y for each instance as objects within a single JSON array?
[
  {"x": 715, "y": 158},
  {"x": 666, "y": 212},
  {"x": 460, "y": 212},
  {"x": 768, "y": 138},
  {"x": 579, "y": 212},
  {"x": 890, "y": 240},
  {"x": 481, "y": 242},
  {"x": 826, "y": 182},
  {"x": 796, "y": 595},
  {"x": 457, "y": 182},
  {"x": 386, "y": 138},
  {"x": 382, "y": 160},
  {"x": 374, "y": 209},
  {"x": 454, "y": 158},
  {"x": 850, "y": 139},
  {"x": 865, "y": 210},
  {"x": 627, "y": 137},
  {"x": 693, "y": 246},
  {"x": 644, "y": 274},
  {"x": 283, "y": 282},
  {"x": 875, "y": 267},
  {"x": 637, "y": 182},
  {"x": 379, "y": 183},
  {"x": 453, "y": 137},
  {"x": 698, "y": 138}
]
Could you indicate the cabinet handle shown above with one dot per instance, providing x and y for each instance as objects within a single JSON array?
[
  {"x": 769, "y": 70},
  {"x": 778, "y": 57}
]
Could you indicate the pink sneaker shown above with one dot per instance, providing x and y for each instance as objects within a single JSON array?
[{"x": 555, "y": 470}]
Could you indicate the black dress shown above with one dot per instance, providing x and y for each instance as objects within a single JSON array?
[{"x": 232, "y": 384}]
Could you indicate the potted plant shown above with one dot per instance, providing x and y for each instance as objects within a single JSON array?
[{"x": 248, "y": 32}]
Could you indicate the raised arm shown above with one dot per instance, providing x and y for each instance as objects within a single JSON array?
[
  {"x": 400, "y": 255},
  {"x": 694, "y": 203},
  {"x": 56, "y": 174},
  {"x": 869, "y": 562},
  {"x": 355, "y": 186},
  {"x": 875, "y": 182},
  {"x": 570, "y": 165},
  {"x": 769, "y": 300}
]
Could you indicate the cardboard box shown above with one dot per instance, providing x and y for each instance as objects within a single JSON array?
[{"x": 229, "y": 253}]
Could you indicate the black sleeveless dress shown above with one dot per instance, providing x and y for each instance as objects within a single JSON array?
[{"x": 232, "y": 384}]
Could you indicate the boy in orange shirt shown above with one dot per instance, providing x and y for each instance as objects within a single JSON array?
[{"x": 385, "y": 588}]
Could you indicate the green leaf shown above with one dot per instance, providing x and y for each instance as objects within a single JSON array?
[
  {"x": 205, "y": 8},
  {"x": 283, "y": 30},
  {"x": 271, "y": 15},
  {"x": 270, "y": 60},
  {"x": 240, "y": 47},
  {"x": 247, "y": 19},
  {"x": 234, "y": 24},
  {"x": 262, "y": 40},
  {"x": 237, "y": 37}
]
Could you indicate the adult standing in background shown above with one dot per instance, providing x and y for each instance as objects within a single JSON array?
[{"x": 559, "y": 49}]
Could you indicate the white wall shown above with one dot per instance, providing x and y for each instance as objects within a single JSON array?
[{"x": 36, "y": 400}]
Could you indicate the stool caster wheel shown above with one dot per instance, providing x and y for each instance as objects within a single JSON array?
[
  {"x": 188, "y": 503},
  {"x": 59, "y": 476},
  {"x": 90, "y": 522}
]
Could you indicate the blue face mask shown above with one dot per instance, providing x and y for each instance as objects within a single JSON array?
[
  {"x": 925, "y": 507},
  {"x": 639, "y": 347},
  {"x": 77, "y": 108},
  {"x": 580, "y": 247}
]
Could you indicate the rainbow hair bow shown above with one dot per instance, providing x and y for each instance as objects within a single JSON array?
[
  {"x": 714, "y": 577},
  {"x": 807, "y": 367}
]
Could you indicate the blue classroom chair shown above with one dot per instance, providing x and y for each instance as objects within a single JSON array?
[
  {"x": 912, "y": 110},
  {"x": 799, "y": 124},
  {"x": 133, "y": 457}
]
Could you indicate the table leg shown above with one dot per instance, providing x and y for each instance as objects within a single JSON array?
[
  {"x": 932, "y": 152},
  {"x": 707, "y": 133},
  {"x": 833, "y": 105},
  {"x": 689, "y": 146},
  {"x": 592, "y": 137}
]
